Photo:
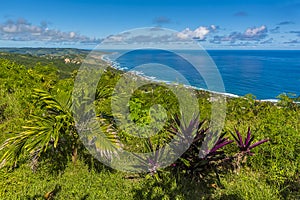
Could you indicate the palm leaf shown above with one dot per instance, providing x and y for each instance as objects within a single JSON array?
[{"x": 56, "y": 125}]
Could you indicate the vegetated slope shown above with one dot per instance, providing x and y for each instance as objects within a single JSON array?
[{"x": 273, "y": 172}]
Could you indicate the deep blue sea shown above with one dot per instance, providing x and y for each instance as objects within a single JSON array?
[{"x": 263, "y": 73}]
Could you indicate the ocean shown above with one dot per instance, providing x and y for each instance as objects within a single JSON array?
[{"x": 263, "y": 73}]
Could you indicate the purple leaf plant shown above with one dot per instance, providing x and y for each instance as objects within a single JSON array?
[
  {"x": 219, "y": 144},
  {"x": 245, "y": 146}
]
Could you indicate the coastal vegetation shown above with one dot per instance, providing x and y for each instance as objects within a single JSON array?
[{"x": 43, "y": 157}]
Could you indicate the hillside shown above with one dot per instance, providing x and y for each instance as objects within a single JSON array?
[{"x": 43, "y": 156}]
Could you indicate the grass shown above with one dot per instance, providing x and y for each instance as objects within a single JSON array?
[
  {"x": 246, "y": 184},
  {"x": 76, "y": 182},
  {"x": 80, "y": 182}
]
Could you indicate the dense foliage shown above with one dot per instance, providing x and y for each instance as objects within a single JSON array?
[{"x": 36, "y": 123}]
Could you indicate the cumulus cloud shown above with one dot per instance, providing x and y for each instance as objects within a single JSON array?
[
  {"x": 199, "y": 33},
  {"x": 22, "y": 30},
  {"x": 157, "y": 37},
  {"x": 250, "y": 34},
  {"x": 240, "y": 14},
  {"x": 255, "y": 33},
  {"x": 285, "y": 23}
]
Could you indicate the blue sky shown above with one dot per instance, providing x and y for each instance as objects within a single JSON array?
[{"x": 216, "y": 24}]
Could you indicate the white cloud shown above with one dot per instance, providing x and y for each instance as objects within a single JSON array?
[
  {"x": 21, "y": 30},
  {"x": 250, "y": 34},
  {"x": 199, "y": 33},
  {"x": 253, "y": 32},
  {"x": 72, "y": 34},
  {"x": 186, "y": 33},
  {"x": 213, "y": 27},
  {"x": 114, "y": 38},
  {"x": 9, "y": 29}
]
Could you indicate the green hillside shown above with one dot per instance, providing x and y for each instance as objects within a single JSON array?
[{"x": 43, "y": 157}]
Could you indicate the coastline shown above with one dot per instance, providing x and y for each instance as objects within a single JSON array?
[
  {"x": 141, "y": 75},
  {"x": 117, "y": 66}
]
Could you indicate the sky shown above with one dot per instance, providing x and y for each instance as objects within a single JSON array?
[{"x": 215, "y": 24}]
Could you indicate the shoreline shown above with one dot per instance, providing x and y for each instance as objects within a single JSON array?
[{"x": 141, "y": 75}]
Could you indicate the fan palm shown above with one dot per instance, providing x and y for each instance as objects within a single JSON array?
[{"x": 54, "y": 129}]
